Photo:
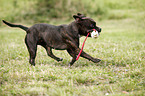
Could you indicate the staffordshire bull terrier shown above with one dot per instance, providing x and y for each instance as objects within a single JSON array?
[{"x": 62, "y": 37}]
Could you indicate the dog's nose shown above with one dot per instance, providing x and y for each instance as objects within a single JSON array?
[{"x": 100, "y": 29}]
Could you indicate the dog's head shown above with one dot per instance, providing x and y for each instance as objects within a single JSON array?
[{"x": 86, "y": 24}]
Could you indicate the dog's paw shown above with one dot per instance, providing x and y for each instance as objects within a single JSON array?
[
  {"x": 96, "y": 60},
  {"x": 60, "y": 59},
  {"x": 70, "y": 65}
]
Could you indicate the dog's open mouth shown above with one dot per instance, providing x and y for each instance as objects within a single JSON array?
[{"x": 95, "y": 34}]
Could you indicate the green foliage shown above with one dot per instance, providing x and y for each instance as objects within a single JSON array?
[
  {"x": 34, "y": 11},
  {"x": 121, "y": 72},
  {"x": 121, "y": 46},
  {"x": 65, "y": 8}
]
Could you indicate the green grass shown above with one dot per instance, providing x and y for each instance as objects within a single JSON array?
[{"x": 121, "y": 47}]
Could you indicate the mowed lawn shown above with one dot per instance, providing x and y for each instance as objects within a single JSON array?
[{"x": 121, "y": 46}]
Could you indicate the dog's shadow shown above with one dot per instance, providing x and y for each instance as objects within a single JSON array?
[{"x": 87, "y": 63}]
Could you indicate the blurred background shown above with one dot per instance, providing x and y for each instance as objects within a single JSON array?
[
  {"x": 36, "y": 11},
  {"x": 121, "y": 46}
]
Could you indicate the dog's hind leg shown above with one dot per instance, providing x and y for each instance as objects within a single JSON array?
[
  {"x": 32, "y": 48},
  {"x": 49, "y": 52}
]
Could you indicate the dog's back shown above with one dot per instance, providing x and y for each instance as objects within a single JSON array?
[{"x": 52, "y": 35}]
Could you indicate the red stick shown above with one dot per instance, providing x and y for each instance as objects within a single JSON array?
[{"x": 82, "y": 47}]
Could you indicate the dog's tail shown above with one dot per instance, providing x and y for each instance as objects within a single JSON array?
[{"x": 14, "y": 25}]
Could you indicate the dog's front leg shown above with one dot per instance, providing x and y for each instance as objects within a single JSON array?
[
  {"x": 73, "y": 54},
  {"x": 73, "y": 50},
  {"x": 87, "y": 56}
]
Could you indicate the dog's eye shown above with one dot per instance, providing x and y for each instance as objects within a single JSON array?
[{"x": 92, "y": 25}]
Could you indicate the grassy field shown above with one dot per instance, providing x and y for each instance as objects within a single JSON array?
[{"x": 121, "y": 46}]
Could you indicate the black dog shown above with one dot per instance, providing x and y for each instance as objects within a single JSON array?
[{"x": 63, "y": 37}]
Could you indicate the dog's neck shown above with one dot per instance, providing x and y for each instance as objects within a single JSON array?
[
  {"x": 76, "y": 28},
  {"x": 73, "y": 27}
]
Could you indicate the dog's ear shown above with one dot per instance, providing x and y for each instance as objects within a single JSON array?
[
  {"x": 77, "y": 18},
  {"x": 79, "y": 14}
]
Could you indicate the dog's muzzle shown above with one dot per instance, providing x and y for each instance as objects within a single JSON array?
[{"x": 100, "y": 29}]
